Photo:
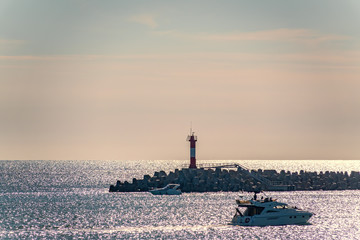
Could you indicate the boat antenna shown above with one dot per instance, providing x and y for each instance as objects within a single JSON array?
[{"x": 264, "y": 194}]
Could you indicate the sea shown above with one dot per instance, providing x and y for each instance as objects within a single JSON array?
[{"x": 48, "y": 199}]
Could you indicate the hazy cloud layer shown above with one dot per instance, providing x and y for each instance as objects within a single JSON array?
[
  {"x": 305, "y": 36},
  {"x": 123, "y": 80}
]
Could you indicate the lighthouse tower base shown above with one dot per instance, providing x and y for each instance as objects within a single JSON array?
[{"x": 192, "y": 165}]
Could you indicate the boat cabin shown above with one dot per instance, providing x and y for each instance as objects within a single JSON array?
[
  {"x": 253, "y": 210},
  {"x": 256, "y": 207}
]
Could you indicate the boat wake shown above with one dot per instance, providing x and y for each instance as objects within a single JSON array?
[{"x": 193, "y": 228}]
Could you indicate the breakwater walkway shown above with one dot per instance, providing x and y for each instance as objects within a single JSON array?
[{"x": 234, "y": 177}]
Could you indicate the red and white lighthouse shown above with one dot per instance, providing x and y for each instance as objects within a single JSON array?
[{"x": 192, "y": 139}]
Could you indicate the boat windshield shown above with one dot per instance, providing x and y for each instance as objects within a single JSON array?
[
  {"x": 281, "y": 206},
  {"x": 285, "y": 207}
]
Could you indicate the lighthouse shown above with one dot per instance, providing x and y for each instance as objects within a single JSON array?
[{"x": 192, "y": 139}]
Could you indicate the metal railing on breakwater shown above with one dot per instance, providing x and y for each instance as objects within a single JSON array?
[{"x": 271, "y": 185}]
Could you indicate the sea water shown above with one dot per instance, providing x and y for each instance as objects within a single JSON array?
[{"x": 70, "y": 200}]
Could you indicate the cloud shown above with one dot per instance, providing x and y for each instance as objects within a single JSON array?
[
  {"x": 306, "y": 36},
  {"x": 335, "y": 58},
  {"x": 145, "y": 19},
  {"x": 10, "y": 44}
]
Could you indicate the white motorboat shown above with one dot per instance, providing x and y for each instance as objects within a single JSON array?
[
  {"x": 170, "y": 189},
  {"x": 268, "y": 211}
]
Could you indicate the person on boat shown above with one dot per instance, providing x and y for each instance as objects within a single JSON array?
[{"x": 255, "y": 197}]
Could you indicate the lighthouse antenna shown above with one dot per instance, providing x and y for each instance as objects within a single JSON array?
[{"x": 190, "y": 128}]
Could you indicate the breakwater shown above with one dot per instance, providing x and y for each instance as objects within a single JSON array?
[{"x": 218, "y": 179}]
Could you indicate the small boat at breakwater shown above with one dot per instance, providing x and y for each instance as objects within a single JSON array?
[{"x": 170, "y": 189}]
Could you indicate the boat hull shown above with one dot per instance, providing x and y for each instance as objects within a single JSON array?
[
  {"x": 167, "y": 192},
  {"x": 268, "y": 220}
]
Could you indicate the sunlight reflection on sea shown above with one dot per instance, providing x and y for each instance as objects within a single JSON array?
[{"x": 70, "y": 199}]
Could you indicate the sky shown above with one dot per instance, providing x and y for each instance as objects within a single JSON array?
[{"x": 125, "y": 80}]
